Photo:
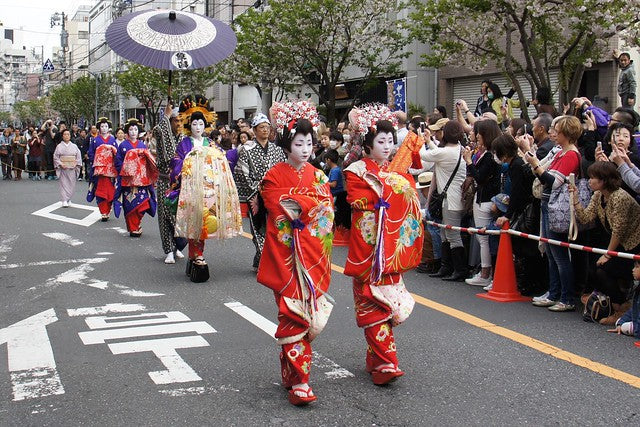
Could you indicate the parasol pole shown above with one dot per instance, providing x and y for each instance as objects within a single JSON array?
[{"x": 170, "y": 75}]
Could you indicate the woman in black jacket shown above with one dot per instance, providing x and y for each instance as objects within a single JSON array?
[
  {"x": 524, "y": 214},
  {"x": 486, "y": 173}
]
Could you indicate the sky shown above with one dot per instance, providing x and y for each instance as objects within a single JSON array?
[{"x": 34, "y": 16}]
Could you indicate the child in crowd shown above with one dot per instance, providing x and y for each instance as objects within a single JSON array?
[
  {"x": 336, "y": 183},
  {"x": 500, "y": 205},
  {"x": 629, "y": 323}
]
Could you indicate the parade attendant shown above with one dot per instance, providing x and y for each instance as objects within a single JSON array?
[
  {"x": 167, "y": 135},
  {"x": 18, "y": 149},
  {"x": 137, "y": 173},
  {"x": 296, "y": 262},
  {"x": 255, "y": 158},
  {"x": 201, "y": 179},
  {"x": 385, "y": 241},
  {"x": 102, "y": 171},
  {"x": 67, "y": 161}
]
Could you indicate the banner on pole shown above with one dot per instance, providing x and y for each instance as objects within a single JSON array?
[{"x": 397, "y": 94}]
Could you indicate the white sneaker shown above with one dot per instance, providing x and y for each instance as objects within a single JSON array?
[
  {"x": 169, "y": 259},
  {"x": 478, "y": 280},
  {"x": 65, "y": 204},
  {"x": 488, "y": 287},
  {"x": 179, "y": 254},
  {"x": 542, "y": 297}
]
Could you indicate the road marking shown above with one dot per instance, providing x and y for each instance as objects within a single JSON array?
[
  {"x": 80, "y": 276},
  {"x": 105, "y": 309},
  {"x": 178, "y": 371},
  {"x": 196, "y": 391},
  {"x": 5, "y": 246},
  {"x": 103, "y": 322},
  {"x": 104, "y": 253},
  {"x": 533, "y": 343},
  {"x": 99, "y": 337},
  {"x": 254, "y": 318},
  {"x": 331, "y": 369},
  {"x": 125, "y": 290},
  {"x": 151, "y": 324},
  {"x": 53, "y": 262},
  {"x": 64, "y": 238},
  {"x": 30, "y": 357},
  {"x": 119, "y": 230},
  {"x": 91, "y": 218}
]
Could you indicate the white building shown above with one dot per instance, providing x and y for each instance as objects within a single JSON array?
[{"x": 16, "y": 62}]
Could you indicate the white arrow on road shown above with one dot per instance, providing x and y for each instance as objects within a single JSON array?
[{"x": 30, "y": 356}]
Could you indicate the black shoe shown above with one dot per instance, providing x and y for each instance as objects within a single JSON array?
[
  {"x": 422, "y": 268},
  {"x": 446, "y": 263},
  {"x": 199, "y": 273},
  {"x": 460, "y": 271}
]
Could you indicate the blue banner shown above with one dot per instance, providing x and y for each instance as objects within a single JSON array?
[{"x": 397, "y": 94}]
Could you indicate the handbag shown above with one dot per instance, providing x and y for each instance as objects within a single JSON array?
[
  {"x": 560, "y": 208},
  {"x": 468, "y": 194},
  {"x": 435, "y": 202},
  {"x": 598, "y": 307},
  {"x": 528, "y": 221}
]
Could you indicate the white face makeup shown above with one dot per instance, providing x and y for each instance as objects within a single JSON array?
[
  {"x": 104, "y": 128},
  {"x": 301, "y": 148},
  {"x": 197, "y": 128},
  {"x": 133, "y": 133},
  {"x": 382, "y": 145}
]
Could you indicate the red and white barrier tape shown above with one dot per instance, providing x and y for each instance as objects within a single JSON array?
[{"x": 599, "y": 251}]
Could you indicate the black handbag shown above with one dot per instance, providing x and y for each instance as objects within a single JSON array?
[
  {"x": 436, "y": 200},
  {"x": 528, "y": 221},
  {"x": 598, "y": 307}
]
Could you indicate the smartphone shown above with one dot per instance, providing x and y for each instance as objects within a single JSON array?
[
  {"x": 423, "y": 127},
  {"x": 599, "y": 144},
  {"x": 529, "y": 153}
]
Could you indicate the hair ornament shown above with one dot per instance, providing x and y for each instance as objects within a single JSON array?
[
  {"x": 364, "y": 118},
  {"x": 286, "y": 115}
]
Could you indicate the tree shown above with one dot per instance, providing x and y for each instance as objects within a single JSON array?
[
  {"x": 547, "y": 34},
  {"x": 30, "y": 112},
  {"x": 313, "y": 42},
  {"x": 76, "y": 100},
  {"x": 150, "y": 86}
]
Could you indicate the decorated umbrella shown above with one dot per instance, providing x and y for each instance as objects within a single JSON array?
[{"x": 171, "y": 40}]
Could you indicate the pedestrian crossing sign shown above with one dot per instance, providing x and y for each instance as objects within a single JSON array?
[{"x": 48, "y": 66}]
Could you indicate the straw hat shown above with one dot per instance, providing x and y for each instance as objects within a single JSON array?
[
  {"x": 438, "y": 125},
  {"x": 424, "y": 180}
]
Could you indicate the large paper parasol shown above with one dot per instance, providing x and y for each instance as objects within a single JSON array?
[{"x": 171, "y": 40}]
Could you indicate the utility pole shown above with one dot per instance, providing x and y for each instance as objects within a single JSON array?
[{"x": 60, "y": 19}]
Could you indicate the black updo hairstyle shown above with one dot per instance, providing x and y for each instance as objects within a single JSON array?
[
  {"x": 383, "y": 126},
  {"x": 302, "y": 126},
  {"x": 198, "y": 115}
]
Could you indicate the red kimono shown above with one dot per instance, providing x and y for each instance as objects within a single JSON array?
[
  {"x": 386, "y": 240},
  {"x": 296, "y": 261}
]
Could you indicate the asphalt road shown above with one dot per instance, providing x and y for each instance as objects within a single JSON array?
[{"x": 152, "y": 348}]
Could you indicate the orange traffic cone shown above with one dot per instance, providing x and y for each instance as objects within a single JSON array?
[
  {"x": 341, "y": 236},
  {"x": 505, "y": 288},
  {"x": 637, "y": 343}
]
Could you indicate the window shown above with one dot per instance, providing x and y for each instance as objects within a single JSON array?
[{"x": 83, "y": 35}]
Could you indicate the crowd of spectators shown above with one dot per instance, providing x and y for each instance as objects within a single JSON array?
[{"x": 495, "y": 167}]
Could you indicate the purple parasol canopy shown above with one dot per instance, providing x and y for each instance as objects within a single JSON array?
[{"x": 171, "y": 40}]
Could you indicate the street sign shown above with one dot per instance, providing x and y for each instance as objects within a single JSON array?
[{"x": 48, "y": 66}]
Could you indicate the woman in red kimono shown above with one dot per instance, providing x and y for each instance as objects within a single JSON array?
[
  {"x": 386, "y": 240},
  {"x": 296, "y": 261}
]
